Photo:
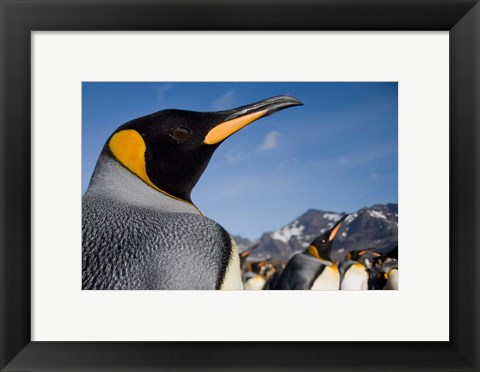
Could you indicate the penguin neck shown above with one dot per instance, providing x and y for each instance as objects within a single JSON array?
[{"x": 113, "y": 181}]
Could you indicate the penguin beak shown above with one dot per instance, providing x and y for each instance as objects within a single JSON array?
[
  {"x": 369, "y": 251},
  {"x": 335, "y": 228},
  {"x": 247, "y": 252},
  {"x": 242, "y": 116}
]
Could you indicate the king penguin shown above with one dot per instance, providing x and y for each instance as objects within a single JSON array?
[
  {"x": 354, "y": 276},
  {"x": 313, "y": 268},
  {"x": 140, "y": 228},
  {"x": 253, "y": 282},
  {"x": 390, "y": 270},
  {"x": 247, "y": 252}
]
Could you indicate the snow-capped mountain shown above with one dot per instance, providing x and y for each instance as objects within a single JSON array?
[{"x": 375, "y": 226}]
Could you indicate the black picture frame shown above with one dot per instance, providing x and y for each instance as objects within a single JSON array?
[{"x": 18, "y": 18}]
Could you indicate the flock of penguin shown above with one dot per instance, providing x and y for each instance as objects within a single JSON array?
[
  {"x": 141, "y": 231},
  {"x": 314, "y": 268}
]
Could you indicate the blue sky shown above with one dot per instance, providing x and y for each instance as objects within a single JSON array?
[{"x": 338, "y": 152}]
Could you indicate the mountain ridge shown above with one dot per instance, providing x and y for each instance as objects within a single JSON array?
[{"x": 369, "y": 227}]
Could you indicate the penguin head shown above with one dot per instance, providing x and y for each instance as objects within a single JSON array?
[
  {"x": 321, "y": 247},
  {"x": 388, "y": 266},
  {"x": 244, "y": 255},
  {"x": 170, "y": 149},
  {"x": 362, "y": 254}
]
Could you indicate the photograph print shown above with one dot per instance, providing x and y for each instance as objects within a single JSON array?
[{"x": 240, "y": 186}]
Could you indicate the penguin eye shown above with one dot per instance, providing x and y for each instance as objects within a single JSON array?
[{"x": 181, "y": 134}]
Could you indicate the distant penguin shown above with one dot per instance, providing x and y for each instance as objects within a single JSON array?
[
  {"x": 362, "y": 255},
  {"x": 275, "y": 274},
  {"x": 244, "y": 254},
  {"x": 353, "y": 276},
  {"x": 390, "y": 270},
  {"x": 377, "y": 278},
  {"x": 254, "y": 282},
  {"x": 140, "y": 229},
  {"x": 313, "y": 269}
]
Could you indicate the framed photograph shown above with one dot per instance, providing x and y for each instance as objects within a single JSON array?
[
  {"x": 367, "y": 136},
  {"x": 343, "y": 141}
]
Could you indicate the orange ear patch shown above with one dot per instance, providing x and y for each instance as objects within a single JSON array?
[
  {"x": 129, "y": 148},
  {"x": 313, "y": 251}
]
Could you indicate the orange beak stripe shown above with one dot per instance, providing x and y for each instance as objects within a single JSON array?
[
  {"x": 334, "y": 232},
  {"x": 227, "y": 128}
]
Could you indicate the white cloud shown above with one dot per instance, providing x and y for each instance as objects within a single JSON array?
[
  {"x": 270, "y": 142},
  {"x": 225, "y": 102}
]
